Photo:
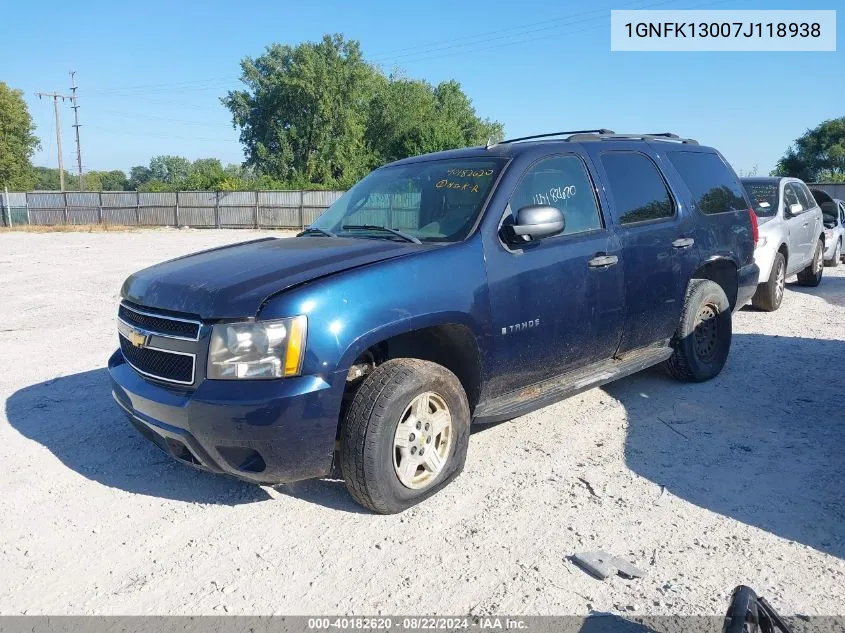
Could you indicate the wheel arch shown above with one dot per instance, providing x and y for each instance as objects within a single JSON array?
[
  {"x": 450, "y": 343},
  {"x": 724, "y": 272}
]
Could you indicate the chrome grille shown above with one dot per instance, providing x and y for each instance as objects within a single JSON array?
[{"x": 159, "y": 324}]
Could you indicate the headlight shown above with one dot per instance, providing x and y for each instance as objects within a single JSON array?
[{"x": 257, "y": 350}]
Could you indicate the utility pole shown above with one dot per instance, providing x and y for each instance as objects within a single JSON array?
[
  {"x": 75, "y": 107},
  {"x": 56, "y": 96}
]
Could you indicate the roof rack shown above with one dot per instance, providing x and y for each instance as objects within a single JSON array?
[
  {"x": 600, "y": 135},
  {"x": 655, "y": 136},
  {"x": 549, "y": 134}
]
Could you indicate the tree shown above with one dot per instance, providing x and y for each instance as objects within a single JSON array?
[
  {"x": 410, "y": 117},
  {"x": 169, "y": 169},
  {"x": 304, "y": 113},
  {"x": 204, "y": 174},
  {"x": 114, "y": 180},
  {"x": 138, "y": 176},
  {"x": 46, "y": 179},
  {"x": 319, "y": 115},
  {"x": 817, "y": 155},
  {"x": 17, "y": 140}
]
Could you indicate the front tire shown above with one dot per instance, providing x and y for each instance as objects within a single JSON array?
[
  {"x": 703, "y": 339},
  {"x": 770, "y": 294},
  {"x": 405, "y": 435},
  {"x": 837, "y": 255},
  {"x": 812, "y": 275}
]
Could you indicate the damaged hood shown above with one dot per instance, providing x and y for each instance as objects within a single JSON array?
[{"x": 234, "y": 281}]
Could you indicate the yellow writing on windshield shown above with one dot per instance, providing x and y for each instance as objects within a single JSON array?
[
  {"x": 469, "y": 173},
  {"x": 462, "y": 186}
]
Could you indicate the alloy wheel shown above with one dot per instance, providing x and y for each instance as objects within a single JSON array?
[{"x": 422, "y": 441}]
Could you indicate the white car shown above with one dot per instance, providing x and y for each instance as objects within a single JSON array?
[
  {"x": 833, "y": 216},
  {"x": 791, "y": 237}
]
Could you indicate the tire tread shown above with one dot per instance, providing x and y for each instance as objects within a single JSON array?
[{"x": 365, "y": 422}]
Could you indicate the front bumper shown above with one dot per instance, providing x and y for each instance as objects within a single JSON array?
[
  {"x": 747, "y": 280},
  {"x": 764, "y": 257},
  {"x": 264, "y": 431},
  {"x": 830, "y": 247}
]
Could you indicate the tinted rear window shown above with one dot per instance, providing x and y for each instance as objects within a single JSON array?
[
  {"x": 637, "y": 188},
  {"x": 764, "y": 197},
  {"x": 711, "y": 182}
]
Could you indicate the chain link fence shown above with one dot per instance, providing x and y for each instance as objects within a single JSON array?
[{"x": 208, "y": 209}]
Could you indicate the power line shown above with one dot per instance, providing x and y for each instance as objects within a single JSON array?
[
  {"x": 133, "y": 115},
  {"x": 118, "y": 132},
  {"x": 56, "y": 96},
  {"x": 75, "y": 106}
]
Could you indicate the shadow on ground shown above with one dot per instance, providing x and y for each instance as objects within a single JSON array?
[
  {"x": 77, "y": 420},
  {"x": 831, "y": 289},
  {"x": 770, "y": 454}
]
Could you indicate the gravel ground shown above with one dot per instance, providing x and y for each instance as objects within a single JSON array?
[{"x": 740, "y": 479}]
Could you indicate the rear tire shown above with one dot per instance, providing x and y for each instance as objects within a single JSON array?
[
  {"x": 770, "y": 294},
  {"x": 380, "y": 432},
  {"x": 703, "y": 339},
  {"x": 812, "y": 275},
  {"x": 837, "y": 255}
]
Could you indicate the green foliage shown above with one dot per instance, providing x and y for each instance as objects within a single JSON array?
[
  {"x": 409, "y": 117},
  {"x": 318, "y": 115},
  {"x": 304, "y": 114},
  {"x": 139, "y": 176},
  {"x": 114, "y": 180},
  {"x": 817, "y": 155},
  {"x": 17, "y": 140},
  {"x": 176, "y": 173},
  {"x": 169, "y": 169},
  {"x": 47, "y": 179}
]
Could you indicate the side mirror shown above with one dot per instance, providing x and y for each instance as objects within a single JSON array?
[
  {"x": 796, "y": 209},
  {"x": 535, "y": 222}
]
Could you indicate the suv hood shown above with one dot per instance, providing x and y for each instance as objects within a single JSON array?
[{"x": 234, "y": 281}]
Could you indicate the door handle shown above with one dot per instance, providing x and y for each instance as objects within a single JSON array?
[
  {"x": 683, "y": 242},
  {"x": 806, "y": 224},
  {"x": 603, "y": 261}
]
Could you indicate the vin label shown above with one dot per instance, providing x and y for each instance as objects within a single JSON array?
[{"x": 676, "y": 30}]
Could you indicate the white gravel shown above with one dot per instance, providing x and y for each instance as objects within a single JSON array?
[{"x": 705, "y": 486}]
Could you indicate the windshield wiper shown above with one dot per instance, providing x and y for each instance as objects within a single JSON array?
[
  {"x": 376, "y": 227},
  {"x": 314, "y": 229}
]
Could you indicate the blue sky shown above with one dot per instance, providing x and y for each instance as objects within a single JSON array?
[{"x": 151, "y": 74}]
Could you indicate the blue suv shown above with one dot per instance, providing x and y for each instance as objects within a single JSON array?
[{"x": 475, "y": 284}]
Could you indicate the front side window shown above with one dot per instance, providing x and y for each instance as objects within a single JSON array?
[
  {"x": 764, "y": 196},
  {"x": 433, "y": 201},
  {"x": 805, "y": 195},
  {"x": 561, "y": 182},
  {"x": 711, "y": 183},
  {"x": 790, "y": 196},
  {"x": 637, "y": 187},
  {"x": 842, "y": 213}
]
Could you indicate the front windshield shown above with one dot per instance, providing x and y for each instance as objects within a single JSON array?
[
  {"x": 764, "y": 197},
  {"x": 433, "y": 201}
]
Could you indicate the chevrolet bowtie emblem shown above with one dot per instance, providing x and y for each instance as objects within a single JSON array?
[{"x": 138, "y": 339}]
